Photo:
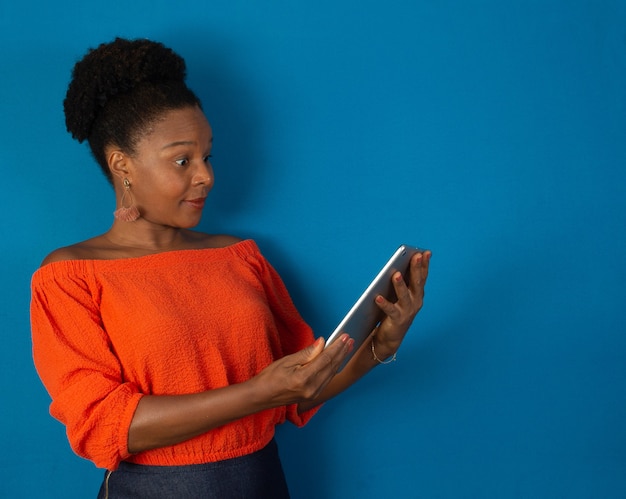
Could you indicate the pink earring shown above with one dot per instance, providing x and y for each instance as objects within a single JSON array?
[{"x": 128, "y": 213}]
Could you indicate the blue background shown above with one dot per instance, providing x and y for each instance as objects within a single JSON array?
[{"x": 491, "y": 132}]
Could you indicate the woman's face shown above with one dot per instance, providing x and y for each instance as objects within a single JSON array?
[{"x": 170, "y": 172}]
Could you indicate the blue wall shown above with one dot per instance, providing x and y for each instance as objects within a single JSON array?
[{"x": 491, "y": 132}]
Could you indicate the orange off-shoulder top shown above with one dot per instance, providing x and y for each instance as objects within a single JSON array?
[{"x": 107, "y": 332}]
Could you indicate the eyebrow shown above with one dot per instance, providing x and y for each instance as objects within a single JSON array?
[{"x": 182, "y": 143}]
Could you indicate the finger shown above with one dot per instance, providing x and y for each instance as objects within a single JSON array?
[
  {"x": 309, "y": 353},
  {"x": 416, "y": 269},
  {"x": 319, "y": 349},
  {"x": 387, "y": 307},
  {"x": 425, "y": 263},
  {"x": 403, "y": 294},
  {"x": 419, "y": 270},
  {"x": 338, "y": 346}
]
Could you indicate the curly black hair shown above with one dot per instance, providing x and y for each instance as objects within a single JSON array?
[{"x": 119, "y": 89}]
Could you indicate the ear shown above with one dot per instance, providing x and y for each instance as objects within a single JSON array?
[{"x": 119, "y": 162}]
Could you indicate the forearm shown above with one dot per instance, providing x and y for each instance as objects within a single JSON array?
[{"x": 162, "y": 420}]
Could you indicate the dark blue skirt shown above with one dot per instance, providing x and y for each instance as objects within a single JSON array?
[{"x": 256, "y": 476}]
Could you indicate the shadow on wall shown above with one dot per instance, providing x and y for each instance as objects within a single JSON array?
[{"x": 230, "y": 108}]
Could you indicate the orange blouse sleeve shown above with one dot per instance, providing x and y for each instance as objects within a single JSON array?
[
  {"x": 73, "y": 357},
  {"x": 295, "y": 334}
]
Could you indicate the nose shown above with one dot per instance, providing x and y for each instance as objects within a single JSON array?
[{"x": 204, "y": 175}]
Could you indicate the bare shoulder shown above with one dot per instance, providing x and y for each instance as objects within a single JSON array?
[
  {"x": 223, "y": 240},
  {"x": 84, "y": 250},
  {"x": 58, "y": 255},
  {"x": 215, "y": 240}
]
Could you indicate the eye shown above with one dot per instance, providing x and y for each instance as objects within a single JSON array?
[
  {"x": 182, "y": 162},
  {"x": 207, "y": 159}
]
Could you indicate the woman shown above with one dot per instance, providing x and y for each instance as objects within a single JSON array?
[{"x": 171, "y": 355}]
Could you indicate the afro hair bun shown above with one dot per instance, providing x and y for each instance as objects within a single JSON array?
[{"x": 113, "y": 69}]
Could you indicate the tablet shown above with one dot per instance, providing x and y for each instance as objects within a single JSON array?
[{"x": 364, "y": 315}]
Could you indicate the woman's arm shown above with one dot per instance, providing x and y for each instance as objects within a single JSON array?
[
  {"x": 388, "y": 336},
  {"x": 162, "y": 420}
]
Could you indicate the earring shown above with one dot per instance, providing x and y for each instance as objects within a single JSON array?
[{"x": 128, "y": 213}]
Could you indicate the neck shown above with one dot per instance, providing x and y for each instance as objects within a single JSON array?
[{"x": 143, "y": 235}]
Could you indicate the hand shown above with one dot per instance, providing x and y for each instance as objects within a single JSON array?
[
  {"x": 301, "y": 377},
  {"x": 400, "y": 314}
]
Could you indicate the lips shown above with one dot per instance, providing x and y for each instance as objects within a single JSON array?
[{"x": 197, "y": 203}]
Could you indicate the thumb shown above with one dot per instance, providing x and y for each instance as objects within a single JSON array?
[{"x": 307, "y": 354}]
